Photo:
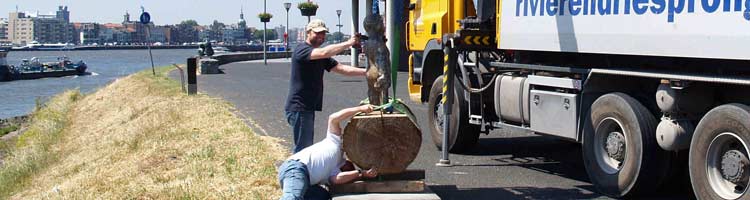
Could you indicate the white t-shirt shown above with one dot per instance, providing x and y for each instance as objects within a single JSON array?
[{"x": 323, "y": 159}]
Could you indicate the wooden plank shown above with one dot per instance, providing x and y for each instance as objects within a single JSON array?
[
  {"x": 376, "y": 114},
  {"x": 427, "y": 194},
  {"x": 392, "y": 186},
  {"x": 410, "y": 174}
]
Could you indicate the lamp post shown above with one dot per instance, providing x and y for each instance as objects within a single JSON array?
[
  {"x": 286, "y": 32},
  {"x": 265, "y": 60},
  {"x": 355, "y": 30},
  {"x": 338, "y": 13},
  {"x": 308, "y": 21}
]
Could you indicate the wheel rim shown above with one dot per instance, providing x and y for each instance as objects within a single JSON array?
[
  {"x": 726, "y": 165},
  {"x": 439, "y": 114},
  {"x": 610, "y": 145}
]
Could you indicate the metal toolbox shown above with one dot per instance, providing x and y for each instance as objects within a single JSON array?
[{"x": 554, "y": 113}]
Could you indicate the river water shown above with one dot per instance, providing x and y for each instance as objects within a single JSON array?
[{"x": 19, "y": 97}]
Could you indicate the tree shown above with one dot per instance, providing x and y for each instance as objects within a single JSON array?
[
  {"x": 334, "y": 37},
  {"x": 189, "y": 22},
  {"x": 270, "y": 34},
  {"x": 216, "y": 30},
  {"x": 186, "y": 32},
  {"x": 217, "y": 25}
]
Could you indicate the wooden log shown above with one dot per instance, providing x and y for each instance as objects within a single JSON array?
[{"x": 387, "y": 142}]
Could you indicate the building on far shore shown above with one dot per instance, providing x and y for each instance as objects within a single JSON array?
[
  {"x": 236, "y": 34},
  {"x": 280, "y": 31},
  {"x": 126, "y": 32},
  {"x": 159, "y": 34},
  {"x": 300, "y": 34},
  {"x": 24, "y": 28},
  {"x": 4, "y": 31},
  {"x": 88, "y": 33},
  {"x": 138, "y": 30}
]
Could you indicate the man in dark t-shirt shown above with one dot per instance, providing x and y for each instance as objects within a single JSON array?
[{"x": 306, "y": 83}]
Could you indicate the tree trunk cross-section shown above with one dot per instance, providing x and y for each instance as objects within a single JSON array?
[{"x": 389, "y": 142}]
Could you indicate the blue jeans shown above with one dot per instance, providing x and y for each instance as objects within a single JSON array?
[
  {"x": 295, "y": 183},
  {"x": 303, "y": 127}
]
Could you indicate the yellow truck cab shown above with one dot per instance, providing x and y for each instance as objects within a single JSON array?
[{"x": 428, "y": 21}]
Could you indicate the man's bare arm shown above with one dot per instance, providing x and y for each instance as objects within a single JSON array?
[
  {"x": 332, "y": 50},
  {"x": 348, "y": 70},
  {"x": 344, "y": 177},
  {"x": 349, "y": 176},
  {"x": 335, "y": 118}
]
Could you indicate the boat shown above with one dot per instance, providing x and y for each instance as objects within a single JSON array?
[
  {"x": 3, "y": 54},
  {"x": 35, "y": 68},
  {"x": 4, "y": 67},
  {"x": 220, "y": 49},
  {"x": 216, "y": 50},
  {"x": 36, "y": 46}
]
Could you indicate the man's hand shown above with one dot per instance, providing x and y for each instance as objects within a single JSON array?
[
  {"x": 354, "y": 41},
  {"x": 371, "y": 173},
  {"x": 366, "y": 108}
]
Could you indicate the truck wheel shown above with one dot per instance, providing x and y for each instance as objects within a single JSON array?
[
  {"x": 719, "y": 165},
  {"x": 463, "y": 136},
  {"x": 620, "y": 151}
]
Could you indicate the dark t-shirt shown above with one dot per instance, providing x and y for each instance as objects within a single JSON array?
[{"x": 306, "y": 82}]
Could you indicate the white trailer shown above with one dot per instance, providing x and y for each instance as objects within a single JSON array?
[{"x": 717, "y": 29}]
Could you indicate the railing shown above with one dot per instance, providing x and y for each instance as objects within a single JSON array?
[{"x": 182, "y": 77}]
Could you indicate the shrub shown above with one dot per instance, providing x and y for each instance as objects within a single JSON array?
[
  {"x": 265, "y": 15},
  {"x": 307, "y": 5}
]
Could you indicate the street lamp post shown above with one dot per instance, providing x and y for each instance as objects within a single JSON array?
[
  {"x": 355, "y": 30},
  {"x": 265, "y": 60},
  {"x": 286, "y": 33},
  {"x": 308, "y": 22},
  {"x": 338, "y": 13}
]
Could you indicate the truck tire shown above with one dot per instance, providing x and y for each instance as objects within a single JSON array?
[
  {"x": 719, "y": 151},
  {"x": 620, "y": 151},
  {"x": 463, "y": 136}
]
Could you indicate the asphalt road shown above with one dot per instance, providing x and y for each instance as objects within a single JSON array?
[{"x": 504, "y": 165}]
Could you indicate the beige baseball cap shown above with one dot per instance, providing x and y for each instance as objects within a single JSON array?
[{"x": 316, "y": 25}]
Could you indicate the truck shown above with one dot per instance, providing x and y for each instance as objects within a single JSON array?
[{"x": 649, "y": 88}]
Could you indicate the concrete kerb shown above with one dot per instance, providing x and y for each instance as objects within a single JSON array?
[
  {"x": 210, "y": 65},
  {"x": 237, "y": 57}
]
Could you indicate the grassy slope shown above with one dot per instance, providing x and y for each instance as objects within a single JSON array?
[{"x": 141, "y": 138}]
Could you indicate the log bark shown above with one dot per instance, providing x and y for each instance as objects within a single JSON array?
[{"x": 387, "y": 142}]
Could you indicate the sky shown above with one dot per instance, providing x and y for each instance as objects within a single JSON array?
[{"x": 204, "y": 12}]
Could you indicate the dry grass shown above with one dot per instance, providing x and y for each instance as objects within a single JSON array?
[
  {"x": 30, "y": 153},
  {"x": 140, "y": 138}
]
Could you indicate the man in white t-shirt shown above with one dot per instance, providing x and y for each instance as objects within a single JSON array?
[{"x": 301, "y": 174}]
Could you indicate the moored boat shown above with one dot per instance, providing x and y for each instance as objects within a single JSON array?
[
  {"x": 36, "y": 46},
  {"x": 35, "y": 68},
  {"x": 4, "y": 67}
]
